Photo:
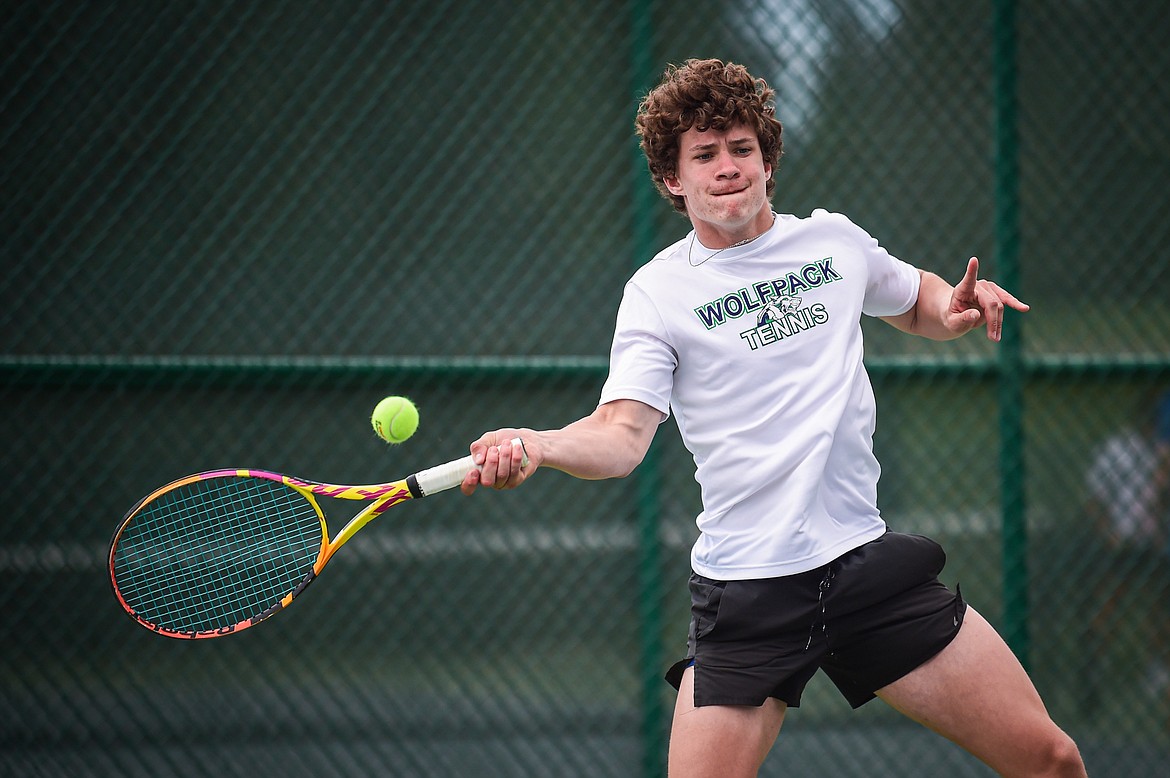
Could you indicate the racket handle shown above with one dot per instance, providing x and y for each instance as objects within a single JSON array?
[{"x": 449, "y": 475}]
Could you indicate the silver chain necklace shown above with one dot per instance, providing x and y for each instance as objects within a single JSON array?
[{"x": 744, "y": 242}]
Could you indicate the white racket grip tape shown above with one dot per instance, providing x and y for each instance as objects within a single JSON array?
[{"x": 451, "y": 474}]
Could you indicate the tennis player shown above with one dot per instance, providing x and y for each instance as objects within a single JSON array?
[{"x": 748, "y": 330}]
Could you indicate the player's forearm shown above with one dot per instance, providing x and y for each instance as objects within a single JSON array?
[
  {"x": 935, "y": 316},
  {"x": 929, "y": 316},
  {"x": 609, "y": 443}
]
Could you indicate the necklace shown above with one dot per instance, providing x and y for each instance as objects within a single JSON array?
[{"x": 744, "y": 242}]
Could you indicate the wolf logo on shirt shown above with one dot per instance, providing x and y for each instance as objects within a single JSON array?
[{"x": 775, "y": 311}]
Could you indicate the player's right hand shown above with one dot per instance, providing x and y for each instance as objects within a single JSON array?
[{"x": 500, "y": 464}]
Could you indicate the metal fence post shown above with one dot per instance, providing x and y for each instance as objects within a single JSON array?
[
  {"x": 649, "y": 559},
  {"x": 1010, "y": 392}
]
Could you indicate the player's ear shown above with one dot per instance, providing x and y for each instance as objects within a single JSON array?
[{"x": 672, "y": 185}]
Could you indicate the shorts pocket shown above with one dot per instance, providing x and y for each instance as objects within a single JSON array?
[{"x": 706, "y": 596}]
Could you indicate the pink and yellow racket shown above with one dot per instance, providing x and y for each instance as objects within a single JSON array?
[{"x": 217, "y": 552}]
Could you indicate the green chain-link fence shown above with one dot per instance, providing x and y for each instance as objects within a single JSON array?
[{"x": 229, "y": 228}]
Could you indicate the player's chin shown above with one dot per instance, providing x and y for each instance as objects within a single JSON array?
[{"x": 739, "y": 206}]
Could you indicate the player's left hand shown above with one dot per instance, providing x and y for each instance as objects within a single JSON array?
[{"x": 977, "y": 300}]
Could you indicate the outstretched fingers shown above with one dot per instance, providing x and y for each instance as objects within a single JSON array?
[{"x": 976, "y": 299}]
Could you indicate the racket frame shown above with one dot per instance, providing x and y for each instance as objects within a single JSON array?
[{"x": 382, "y": 496}]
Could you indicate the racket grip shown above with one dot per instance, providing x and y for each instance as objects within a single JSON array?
[{"x": 450, "y": 474}]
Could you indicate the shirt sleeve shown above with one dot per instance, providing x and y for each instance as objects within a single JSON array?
[
  {"x": 892, "y": 288},
  {"x": 641, "y": 361}
]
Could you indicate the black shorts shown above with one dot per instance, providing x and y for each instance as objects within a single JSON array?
[{"x": 867, "y": 619}]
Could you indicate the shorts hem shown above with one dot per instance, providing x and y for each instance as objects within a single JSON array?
[{"x": 674, "y": 678}]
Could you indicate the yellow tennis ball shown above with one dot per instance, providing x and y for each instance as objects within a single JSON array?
[{"x": 394, "y": 419}]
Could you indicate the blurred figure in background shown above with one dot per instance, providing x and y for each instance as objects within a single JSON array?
[{"x": 1128, "y": 502}]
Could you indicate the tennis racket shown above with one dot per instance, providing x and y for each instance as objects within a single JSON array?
[{"x": 217, "y": 552}]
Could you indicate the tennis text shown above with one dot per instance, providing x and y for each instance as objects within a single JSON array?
[{"x": 775, "y": 329}]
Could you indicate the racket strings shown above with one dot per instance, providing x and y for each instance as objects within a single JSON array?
[{"x": 215, "y": 553}]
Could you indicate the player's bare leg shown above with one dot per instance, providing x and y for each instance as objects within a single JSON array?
[
  {"x": 976, "y": 693},
  {"x": 720, "y": 741}
]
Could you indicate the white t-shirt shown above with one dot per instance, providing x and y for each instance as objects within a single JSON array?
[{"x": 758, "y": 353}]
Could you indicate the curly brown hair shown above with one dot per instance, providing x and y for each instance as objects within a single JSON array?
[{"x": 707, "y": 94}]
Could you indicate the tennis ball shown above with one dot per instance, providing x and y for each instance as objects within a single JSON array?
[{"x": 394, "y": 419}]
